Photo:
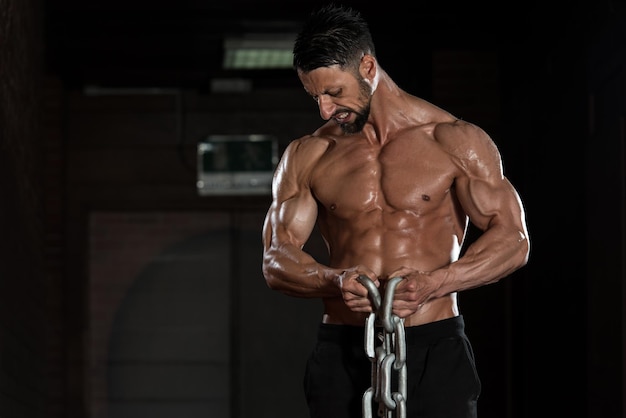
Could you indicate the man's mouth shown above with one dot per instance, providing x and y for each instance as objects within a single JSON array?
[{"x": 341, "y": 117}]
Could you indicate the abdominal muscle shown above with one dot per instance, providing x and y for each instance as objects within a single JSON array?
[{"x": 378, "y": 241}]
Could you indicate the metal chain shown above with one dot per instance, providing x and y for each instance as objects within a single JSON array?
[{"x": 388, "y": 358}]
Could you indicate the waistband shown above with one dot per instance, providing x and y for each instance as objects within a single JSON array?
[{"x": 415, "y": 335}]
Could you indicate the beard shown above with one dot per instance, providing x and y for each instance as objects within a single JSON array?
[{"x": 361, "y": 114}]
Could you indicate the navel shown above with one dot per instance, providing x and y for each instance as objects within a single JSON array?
[{"x": 425, "y": 197}]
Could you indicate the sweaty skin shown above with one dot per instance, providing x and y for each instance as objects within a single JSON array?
[{"x": 392, "y": 200}]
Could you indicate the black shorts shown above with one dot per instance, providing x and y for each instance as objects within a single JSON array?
[{"x": 442, "y": 381}]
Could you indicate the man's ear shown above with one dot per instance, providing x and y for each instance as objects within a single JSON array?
[{"x": 368, "y": 67}]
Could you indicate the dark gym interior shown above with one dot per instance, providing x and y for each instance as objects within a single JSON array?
[{"x": 126, "y": 292}]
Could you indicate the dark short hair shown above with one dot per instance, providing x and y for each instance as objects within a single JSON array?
[{"x": 332, "y": 35}]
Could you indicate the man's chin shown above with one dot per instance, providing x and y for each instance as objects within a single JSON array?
[
  {"x": 349, "y": 128},
  {"x": 353, "y": 127}
]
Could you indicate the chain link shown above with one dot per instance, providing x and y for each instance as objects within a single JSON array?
[{"x": 388, "y": 357}]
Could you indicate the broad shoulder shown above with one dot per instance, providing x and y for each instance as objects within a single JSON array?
[
  {"x": 452, "y": 131},
  {"x": 308, "y": 148},
  {"x": 301, "y": 156},
  {"x": 467, "y": 142},
  {"x": 444, "y": 127}
]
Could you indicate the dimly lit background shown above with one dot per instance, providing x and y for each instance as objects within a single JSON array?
[{"x": 127, "y": 291}]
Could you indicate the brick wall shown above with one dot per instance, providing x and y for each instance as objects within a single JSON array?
[
  {"x": 152, "y": 314},
  {"x": 132, "y": 200},
  {"x": 24, "y": 304},
  {"x": 52, "y": 167}
]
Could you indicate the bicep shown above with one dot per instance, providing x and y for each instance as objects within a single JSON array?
[
  {"x": 292, "y": 221},
  {"x": 485, "y": 194},
  {"x": 488, "y": 202},
  {"x": 293, "y": 213}
]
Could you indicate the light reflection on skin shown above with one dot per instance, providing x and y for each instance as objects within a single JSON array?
[{"x": 456, "y": 248}]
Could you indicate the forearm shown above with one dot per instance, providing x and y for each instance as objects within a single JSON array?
[
  {"x": 295, "y": 273},
  {"x": 494, "y": 255}
]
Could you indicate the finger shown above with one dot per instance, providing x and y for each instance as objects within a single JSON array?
[{"x": 359, "y": 305}]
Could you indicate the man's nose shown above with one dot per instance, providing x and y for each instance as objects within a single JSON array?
[{"x": 327, "y": 107}]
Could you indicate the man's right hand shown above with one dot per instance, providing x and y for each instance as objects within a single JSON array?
[{"x": 355, "y": 295}]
